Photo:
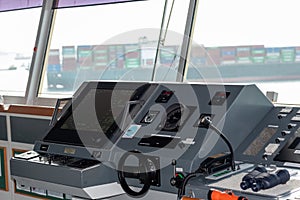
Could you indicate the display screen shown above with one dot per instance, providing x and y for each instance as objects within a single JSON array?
[
  {"x": 98, "y": 110},
  {"x": 95, "y": 117},
  {"x": 296, "y": 144}
]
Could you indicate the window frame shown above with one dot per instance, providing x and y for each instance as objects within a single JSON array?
[{"x": 37, "y": 69}]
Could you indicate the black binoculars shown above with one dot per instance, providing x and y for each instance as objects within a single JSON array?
[{"x": 260, "y": 179}]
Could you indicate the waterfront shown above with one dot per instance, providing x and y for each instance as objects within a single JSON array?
[{"x": 14, "y": 82}]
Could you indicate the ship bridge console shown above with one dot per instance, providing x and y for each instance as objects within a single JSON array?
[{"x": 124, "y": 140}]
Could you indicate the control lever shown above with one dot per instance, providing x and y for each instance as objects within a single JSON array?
[
  {"x": 177, "y": 178},
  {"x": 174, "y": 168}
]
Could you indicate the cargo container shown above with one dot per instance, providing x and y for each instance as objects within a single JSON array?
[
  {"x": 112, "y": 56},
  {"x": 54, "y": 61},
  {"x": 132, "y": 56},
  {"x": 243, "y": 55},
  {"x": 69, "y": 62},
  {"x": 85, "y": 57},
  {"x": 273, "y": 55},
  {"x": 228, "y": 55},
  {"x": 69, "y": 67},
  {"x": 213, "y": 56},
  {"x": 148, "y": 56},
  {"x": 53, "y": 68},
  {"x": 287, "y": 54},
  {"x": 167, "y": 55},
  {"x": 198, "y": 56},
  {"x": 116, "y": 54},
  {"x": 258, "y": 59},
  {"x": 258, "y": 54},
  {"x": 258, "y": 50},
  {"x": 243, "y": 51},
  {"x": 243, "y": 60},
  {"x": 229, "y": 52},
  {"x": 297, "y": 54},
  {"x": 100, "y": 57}
]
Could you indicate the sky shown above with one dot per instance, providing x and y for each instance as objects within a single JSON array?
[
  {"x": 219, "y": 23},
  {"x": 19, "y": 30},
  {"x": 269, "y": 22}
]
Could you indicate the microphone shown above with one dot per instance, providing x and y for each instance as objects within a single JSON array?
[{"x": 206, "y": 121}]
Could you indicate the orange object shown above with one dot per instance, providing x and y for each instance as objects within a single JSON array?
[{"x": 226, "y": 195}]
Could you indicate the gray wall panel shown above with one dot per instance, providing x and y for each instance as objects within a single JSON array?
[
  {"x": 3, "y": 128},
  {"x": 28, "y": 130}
]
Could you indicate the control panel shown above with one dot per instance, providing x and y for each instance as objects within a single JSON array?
[
  {"x": 190, "y": 140},
  {"x": 270, "y": 136}
]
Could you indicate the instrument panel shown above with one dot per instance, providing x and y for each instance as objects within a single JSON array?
[{"x": 189, "y": 140}]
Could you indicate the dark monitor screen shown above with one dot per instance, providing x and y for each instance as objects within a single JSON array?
[
  {"x": 95, "y": 117},
  {"x": 98, "y": 110}
]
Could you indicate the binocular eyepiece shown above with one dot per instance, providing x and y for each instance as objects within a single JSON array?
[
  {"x": 265, "y": 180},
  {"x": 248, "y": 179},
  {"x": 260, "y": 179}
]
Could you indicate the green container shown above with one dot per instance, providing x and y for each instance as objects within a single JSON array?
[
  {"x": 68, "y": 51},
  {"x": 244, "y": 60},
  {"x": 84, "y": 53},
  {"x": 288, "y": 58},
  {"x": 258, "y": 59},
  {"x": 132, "y": 63},
  {"x": 287, "y": 51},
  {"x": 100, "y": 63},
  {"x": 104, "y": 57},
  {"x": 272, "y": 59},
  {"x": 100, "y": 51},
  {"x": 258, "y": 51}
]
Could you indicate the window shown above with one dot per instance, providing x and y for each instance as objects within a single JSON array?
[
  {"x": 18, "y": 35},
  {"x": 248, "y": 42},
  {"x": 111, "y": 42}
]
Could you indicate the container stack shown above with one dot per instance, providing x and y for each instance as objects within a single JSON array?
[
  {"x": 85, "y": 57},
  {"x": 273, "y": 55},
  {"x": 228, "y": 55},
  {"x": 243, "y": 55},
  {"x": 54, "y": 61},
  {"x": 69, "y": 58},
  {"x": 132, "y": 56},
  {"x": 258, "y": 54},
  {"x": 100, "y": 54},
  {"x": 213, "y": 56},
  {"x": 287, "y": 54}
]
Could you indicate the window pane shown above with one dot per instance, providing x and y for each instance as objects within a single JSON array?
[
  {"x": 18, "y": 34},
  {"x": 111, "y": 42},
  {"x": 249, "y": 41},
  {"x": 6, "y": 5},
  {"x": 68, "y": 3}
]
